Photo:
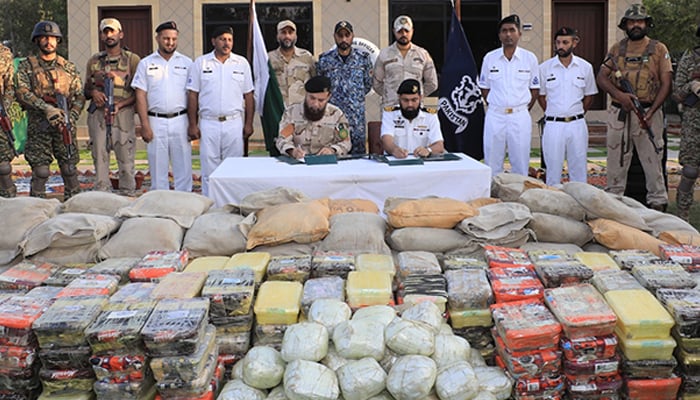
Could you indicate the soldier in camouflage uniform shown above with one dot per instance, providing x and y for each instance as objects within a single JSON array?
[
  {"x": 314, "y": 126},
  {"x": 293, "y": 66},
  {"x": 7, "y": 94},
  {"x": 350, "y": 73},
  {"x": 39, "y": 80},
  {"x": 686, "y": 91}
]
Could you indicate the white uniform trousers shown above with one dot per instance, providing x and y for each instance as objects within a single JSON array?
[
  {"x": 220, "y": 139},
  {"x": 170, "y": 146},
  {"x": 507, "y": 132},
  {"x": 568, "y": 140}
]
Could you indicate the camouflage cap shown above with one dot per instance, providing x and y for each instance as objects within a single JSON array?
[{"x": 635, "y": 12}]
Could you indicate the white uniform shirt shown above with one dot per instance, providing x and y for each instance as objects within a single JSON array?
[
  {"x": 509, "y": 81},
  {"x": 423, "y": 130},
  {"x": 163, "y": 81},
  {"x": 221, "y": 86},
  {"x": 566, "y": 87}
]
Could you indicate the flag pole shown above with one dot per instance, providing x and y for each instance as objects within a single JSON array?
[
  {"x": 249, "y": 56},
  {"x": 458, "y": 8}
]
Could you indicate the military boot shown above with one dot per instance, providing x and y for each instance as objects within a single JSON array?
[
  {"x": 7, "y": 187},
  {"x": 40, "y": 175},
  {"x": 684, "y": 200},
  {"x": 71, "y": 186}
]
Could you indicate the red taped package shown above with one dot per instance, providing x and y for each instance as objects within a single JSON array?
[
  {"x": 684, "y": 254},
  {"x": 652, "y": 389},
  {"x": 588, "y": 348},
  {"x": 515, "y": 284},
  {"x": 157, "y": 264},
  {"x": 26, "y": 275},
  {"x": 581, "y": 310},
  {"x": 525, "y": 325},
  {"x": 506, "y": 257},
  {"x": 532, "y": 363}
]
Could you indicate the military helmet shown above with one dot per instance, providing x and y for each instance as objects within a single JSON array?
[
  {"x": 47, "y": 28},
  {"x": 636, "y": 12}
]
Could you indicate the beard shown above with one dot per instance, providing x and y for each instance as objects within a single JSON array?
[
  {"x": 313, "y": 114},
  {"x": 343, "y": 45},
  {"x": 287, "y": 44},
  {"x": 409, "y": 113},
  {"x": 47, "y": 51},
  {"x": 637, "y": 33},
  {"x": 565, "y": 52}
]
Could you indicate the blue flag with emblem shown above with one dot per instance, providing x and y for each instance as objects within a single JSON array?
[{"x": 461, "y": 108}]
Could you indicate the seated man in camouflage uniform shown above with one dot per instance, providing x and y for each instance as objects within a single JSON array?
[
  {"x": 39, "y": 81},
  {"x": 314, "y": 126}
]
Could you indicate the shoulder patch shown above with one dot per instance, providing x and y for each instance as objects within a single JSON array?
[
  {"x": 391, "y": 108},
  {"x": 342, "y": 131},
  {"x": 431, "y": 110}
]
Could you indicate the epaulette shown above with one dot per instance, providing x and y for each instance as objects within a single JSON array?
[
  {"x": 430, "y": 110},
  {"x": 392, "y": 108}
]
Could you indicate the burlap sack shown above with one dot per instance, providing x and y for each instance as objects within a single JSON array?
[
  {"x": 82, "y": 254},
  {"x": 215, "y": 234},
  {"x": 439, "y": 212},
  {"x": 138, "y": 236},
  {"x": 552, "y": 202},
  {"x": 483, "y": 201},
  {"x": 305, "y": 222},
  {"x": 496, "y": 221},
  {"x": 288, "y": 249},
  {"x": 599, "y": 204},
  {"x": 340, "y": 206},
  {"x": 69, "y": 230},
  {"x": 356, "y": 233},
  {"x": 617, "y": 236},
  {"x": 96, "y": 202},
  {"x": 509, "y": 187},
  {"x": 659, "y": 221},
  {"x": 434, "y": 240},
  {"x": 680, "y": 237},
  {"x": 19, "y": 215},
  {"x": 556, "y": 229},
  {"x": 181, "y": 207},
  {"x": 267, "y": 198}
]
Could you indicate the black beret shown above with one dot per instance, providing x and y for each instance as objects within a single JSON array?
[
  {"x": 511, "y": 19},
  {"x": 166, "y": 25},
  {"x": 343, "y": 25},
  {"x": 318, "y": 84},
  {"x": 566, "y": 31},
  {"x": 409, "y": 86},
  {"x": 220, "y": 30}
]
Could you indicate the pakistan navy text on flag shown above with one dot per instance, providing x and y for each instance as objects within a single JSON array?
[{"x": 461, "y": 109}]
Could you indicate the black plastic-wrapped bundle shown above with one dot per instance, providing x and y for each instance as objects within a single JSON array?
[
  {"x": 66, "y": 358},
  {"x": 289, "y": 268},
  {"x": 230, "y": 292},
  {"x": 118, "y": 328},
  {"x": 684, "y": 306},
  {"x": 647, "y": 369},
  {"x": 175, "y": 326}
]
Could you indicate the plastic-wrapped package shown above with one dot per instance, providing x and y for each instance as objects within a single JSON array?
[
  {"x": 426, "y": 312},
  {"x": 255, "y": 260},
  {"x": 269, "y": 335},
  {"x": 608, "y": 280},
  {"x": 684, "y": 306},
  {"x": 179, "y": 285},
  {"x": 65, "y": 358},
  {"x": 19, "y": 379},
  {"x": 646, "y": 349},
  {"x": 539, "y": 387},
  {"x": 118, "y": 327},
  {"x": 451, "y": 262},
  {"x": 597, "y": 261},
  {"x": 688, "y": 362},
  {"x": 588, "y": 348},
  {"x": 639, "y": 314},
  {"x": 369, "y": 288},
  {"x": 602, "y": 389},
  {"x": 26, "y": 275},
  {"x": 70, "y": 396},
  {"x": 406, "y": 337},
  {"x": 332, "y": 359},
  {"x": 21, "y": 394},
  {"x": 581, "y": 310},
  {"x": 647, "y": 369},
  {"x": 506, "y": 257},
  {"x": 470, "y": 318},
  {"x": 207, "y": 264},
  {"x": 357, "y": 339},
  {"x": 530, "y": 363},
  {"x": 329, "y": 313},
  {"x": 380, "y": 314},
  {"x": 324, "y": 264},
  {"x": 537, "y": 256},
  {"x": 128, "y": 390},
  {"x": 689, "y": 386},
  {"x": 627, "y": 259},
  {"x": 230, "y": 292},
  {"x": 330, "y": 287},
  {"x": 44, "y": 292},
  {"x": 456, "y": 381},
  {"x": 278, "y": 302},
  {"x": 495, "y": 381},
  {"x": 514, "y": 284},
  {"x": 157, "y": 264},
  {"x": 64, "y": 322},
  {"x": 361, "y": 379},
  {"x": 17, "y": 314},
  {"x": 375, "y": 262},
  {"x": 117, "y": 368},
  {"x": 419, "y": 288},
  {"x": 16, "y": 357},
  {"x": 91, "y": 285},
  {"x": 65, "y": 274},
  {"x": 118, "y": 266},
  {"x": 684, "y": 254},
  {"x": 236, "y": 389},
  {"x": 658, "y": 276},
  {"x": 604, "y": 367},
  {"x": 289, "y": 268},
  {"x": 417, "y": 262},
  {"x": 66, "y": 381},
  {"x": 186, "y": 367},
  {"x": 450, "y": 349},
  {"x": 236, "y": 344},
  {"x": 412, "y": 377},
  {"x": 175, "y": 326},
  {"x": 479, "y": 337},
  {"x": 305, "y": 341},
  {"x": 561, "y": 273},
  {"x": 191, "y": 388},
  {"x": 468, "y": 289},
  {"x": 234, "y": 324},
  {"x": 309, "y": 380},
  {"x": 690, "y": 344},
  {"x": 652, "y": 389},
  {"x": 525, "y": 325},
  {"x": 134, "y": 292}
]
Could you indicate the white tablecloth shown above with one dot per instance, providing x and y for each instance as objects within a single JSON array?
[{"x": 465, "y": 179}]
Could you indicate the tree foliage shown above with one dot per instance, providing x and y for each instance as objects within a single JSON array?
[
  {"x": 675, "y": 23},
  {"x": 18, "y": 18}
]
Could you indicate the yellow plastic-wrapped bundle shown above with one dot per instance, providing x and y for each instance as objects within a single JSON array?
[
  {"x": 375, "y": 262},
  {"x": 369, "y": 288},
  {"x": 278, "y": 303},
  {"x": 179, "y": 285},
  {"x": 596, "y": 261},
  {"x": 469, "y": 318},
  {"x": 206, "y": 264},
  {"x": 639, "y": 315},
  {"x": 257, "y": 261},
  {"x": 646, "y": 349}
]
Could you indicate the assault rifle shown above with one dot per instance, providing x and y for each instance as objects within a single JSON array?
[
  {"x": 109, "y": 111},
  {"x": 66, "y": 127},
  {"x": 6, "y": 125}
]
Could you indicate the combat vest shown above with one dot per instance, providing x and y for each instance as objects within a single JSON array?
[
  {"x": 47, "y": 81},
  {"x": 120, "y": 68},
  {"x": 638, "y": 71}
]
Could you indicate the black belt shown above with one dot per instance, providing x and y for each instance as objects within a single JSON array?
[
  {"x": 618, "y": 105},
  {"x": 167, "y": 115},
  {"x": 564, "y": 119}
]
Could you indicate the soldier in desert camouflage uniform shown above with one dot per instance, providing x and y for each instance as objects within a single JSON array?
[
  {"x": 686, "y": 90},
  {"x": 7, "y": 154},
  {"x": 39, "y": 80},
  {"x": 293, "y": 65}
]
